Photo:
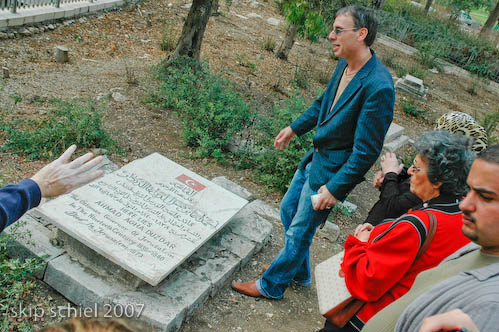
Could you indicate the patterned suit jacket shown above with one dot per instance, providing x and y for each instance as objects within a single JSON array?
[{"x": 349, "y": 139}]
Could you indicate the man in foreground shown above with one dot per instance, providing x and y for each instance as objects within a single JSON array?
[
  {"x": 352, "y": 117},
  {"x": 468, "y": 279}
]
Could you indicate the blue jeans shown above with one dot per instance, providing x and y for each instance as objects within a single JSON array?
[{"x": 300, "y": 221}]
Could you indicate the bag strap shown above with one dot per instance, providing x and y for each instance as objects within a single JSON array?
[
  {"x": 426, "y": 237},
  {"x": 431, "y": 233}
]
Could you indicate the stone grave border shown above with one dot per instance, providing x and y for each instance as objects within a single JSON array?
[{"x": 176, "y": 298}]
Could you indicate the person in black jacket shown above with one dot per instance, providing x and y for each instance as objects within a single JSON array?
[{"x": 395, "y": 198}]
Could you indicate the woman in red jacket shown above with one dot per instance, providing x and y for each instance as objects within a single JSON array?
[{"x": 379, "y": 262}]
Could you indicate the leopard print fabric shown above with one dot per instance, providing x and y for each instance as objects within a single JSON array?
[{"x": 464, "y": 124}]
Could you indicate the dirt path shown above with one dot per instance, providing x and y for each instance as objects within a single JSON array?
[{"x": 103, "y": 49}]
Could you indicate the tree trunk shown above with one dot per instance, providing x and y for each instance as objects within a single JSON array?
[
  {"x": 491, "y": 21},
  {"x": 378, "y": 4},
  {"x": 428, "y": 5},
  {"x": 189, "y": 43},
  {"x": 288, "y": 42}
]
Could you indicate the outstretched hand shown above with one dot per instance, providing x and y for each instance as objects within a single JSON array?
[
  {"x": 61, "y": 176},
  {"x": 283, "y": 138}
]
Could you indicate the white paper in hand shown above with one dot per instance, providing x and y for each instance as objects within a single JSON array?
[{"x": 331, "y": 288}]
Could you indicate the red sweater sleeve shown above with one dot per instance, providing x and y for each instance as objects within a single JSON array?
[{"x": 371, "y": 269}]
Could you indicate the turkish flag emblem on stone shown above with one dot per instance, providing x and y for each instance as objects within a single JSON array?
[{"x": 190, "y": 182}]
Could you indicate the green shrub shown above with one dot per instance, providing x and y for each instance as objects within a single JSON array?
[
  {"x": 302, "y": 77},
  {"x": 67, "y": 124},
  {"x": 16, "y": 283},
  {"x": 269, "y": 44},
  {"x": 489, "y": 122},
  {"x": 243, "y": 61},
  {"x": 272, "y": 167},
  {"x": 439, "y": 37},
  {"x": 210, "y": 108},
  {"x": 411, "y": 109},
  {"x": 168, "y": 39}
]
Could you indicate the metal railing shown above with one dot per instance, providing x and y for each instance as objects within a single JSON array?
[{"x": 14, "y": 5}]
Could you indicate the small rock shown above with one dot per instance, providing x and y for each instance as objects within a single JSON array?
[
  {"x": 256, "y": 4},
  {"x": 25, "y": 32},
  {"x": 82, "y": 20},
  {"x": 434, "y": 70},
  {"x": 101, "y": 96},
  {"x": 116, "y": 89},
  {"x": 254, "y": 15},
  {"x": 51, "y": 27},
  {"x": 269, "y": 314},
  {"x": 119, "y": 97},
  {"x": 187, "y": 5},
  {"x": 99, "y": 151},
  {"x": 3, "y": 35},
  {"x": 169, "y": 5},
  {"x": 273, "y": 21},
  {"x": 11, "y": 35},
  {"x": 145, "y": 56}
]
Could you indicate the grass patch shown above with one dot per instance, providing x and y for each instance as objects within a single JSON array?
[
  {"x": 411, "y": 109},
  {"x": 168, "y": 39},
  {"x": 50, "y": 135},
  {"x": 436, "y": 36},
  {"x": 210, "y": 108},
  {"x": 269, "y": 44},
  {"x": 271, "y": 167},
  {"x": 16, "y": 284}
]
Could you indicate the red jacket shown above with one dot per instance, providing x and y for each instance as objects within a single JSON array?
[{"x": 381, "y": 270}]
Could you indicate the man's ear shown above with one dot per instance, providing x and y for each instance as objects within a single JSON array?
[{"x": 363, "y": 34}]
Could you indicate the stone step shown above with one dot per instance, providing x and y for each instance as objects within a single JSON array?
[
  {"x": 394, "y": 132},
  {"x": 396, "y": 144}
]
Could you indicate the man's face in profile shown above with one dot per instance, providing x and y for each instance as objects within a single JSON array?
[{"x": 481, "y": 206}]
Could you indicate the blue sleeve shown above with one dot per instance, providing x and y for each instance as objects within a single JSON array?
[
  {"x": 308, "y": 120},
  {"x": 372, "y": 125},
  {"x": 16, "y": 199}
]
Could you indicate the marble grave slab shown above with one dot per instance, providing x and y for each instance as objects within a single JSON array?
[{"x": 147, "y": 217}]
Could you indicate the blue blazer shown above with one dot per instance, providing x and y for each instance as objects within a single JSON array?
[{"x": 349, "y": 139}]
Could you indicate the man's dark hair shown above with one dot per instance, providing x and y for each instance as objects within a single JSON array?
[
  {"x": 490, "y": 154},
  {"x": 363, "y": 18}
]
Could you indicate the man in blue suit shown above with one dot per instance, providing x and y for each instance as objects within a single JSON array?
[{"x": 352, "y": 117}]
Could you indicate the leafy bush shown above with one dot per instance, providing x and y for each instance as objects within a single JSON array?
[
  {"x": 272, "y": 167},
  {"x": 51, "y": 135},
  {"x": 168, "y": 39},
  {"x": 210, "y": 108},
  {"x": 490, "y": 122},
  {"x": 411, "y": 109}
]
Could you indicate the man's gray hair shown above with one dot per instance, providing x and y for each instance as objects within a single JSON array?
[
  {"x": 363, "y": 18},
  {"x": 449, "y": 159}
]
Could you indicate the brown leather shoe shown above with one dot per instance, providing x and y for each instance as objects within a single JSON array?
[{"x": 246, "y": 288}]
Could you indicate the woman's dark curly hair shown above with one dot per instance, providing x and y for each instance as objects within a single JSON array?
[{"x": 449, "y": 159}]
